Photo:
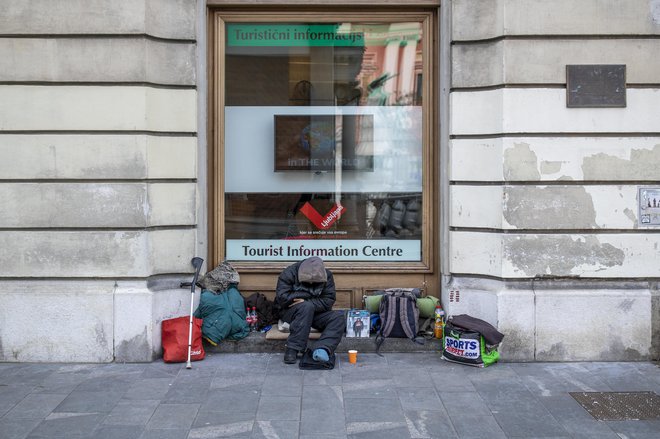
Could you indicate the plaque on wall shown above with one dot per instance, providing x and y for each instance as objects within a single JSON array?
[
  {"x": 649, "y": 206},
  {"x": 595, "y": 85}
]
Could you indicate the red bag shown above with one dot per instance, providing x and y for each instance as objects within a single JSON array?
[{"x": 175, "y": 340}]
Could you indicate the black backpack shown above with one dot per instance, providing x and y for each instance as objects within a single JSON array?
[
  {"x": 267, "y": 311},
  {"x": 399, "y": 315}
]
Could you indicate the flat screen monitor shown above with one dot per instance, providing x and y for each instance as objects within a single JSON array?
[{"x": 321, "y": 142}]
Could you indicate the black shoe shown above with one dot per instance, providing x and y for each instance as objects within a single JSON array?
[{"x": 290, "y": 356}]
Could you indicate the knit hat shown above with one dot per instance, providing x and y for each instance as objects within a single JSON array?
[
  {"x": 220, "y": 278},
  {"x": 312, "y": 270}
]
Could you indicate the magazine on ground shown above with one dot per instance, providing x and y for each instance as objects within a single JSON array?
[{"x": 357, "y": 323}]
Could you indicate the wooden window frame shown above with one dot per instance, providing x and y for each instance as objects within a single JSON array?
[{"x": 216, "y": 97}]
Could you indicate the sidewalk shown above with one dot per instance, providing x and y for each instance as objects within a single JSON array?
[{"x": 399, "y": 395}]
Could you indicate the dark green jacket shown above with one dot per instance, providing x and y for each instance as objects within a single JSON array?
[{"x": 223, "y": 314}]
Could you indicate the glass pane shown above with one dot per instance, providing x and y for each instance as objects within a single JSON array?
[{"x": 323, "y": 141}]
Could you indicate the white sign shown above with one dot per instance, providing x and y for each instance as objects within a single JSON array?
[
  {"x": 326, "y": 249},
  {"x": 649, "y": 206}
]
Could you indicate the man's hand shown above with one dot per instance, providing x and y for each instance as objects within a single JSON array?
[{"x": 296, "y": 302}]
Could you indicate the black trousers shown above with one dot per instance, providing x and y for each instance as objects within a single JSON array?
[{"x": 302, "y": 317}]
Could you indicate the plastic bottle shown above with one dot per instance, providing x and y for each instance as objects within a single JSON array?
[
  {"x": 438, "y": 328},
  {"x": 248, "y": 318},
  {"x": 255, "y": 319}
]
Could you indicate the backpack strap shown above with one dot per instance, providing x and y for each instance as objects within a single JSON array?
[
  {"x": 387, "y": 308},
  {"x": 403, "y": 318},
  {"x": 379, "y": 341}
]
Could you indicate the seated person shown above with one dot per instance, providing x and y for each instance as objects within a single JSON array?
[{"x": 305, "y": 293}]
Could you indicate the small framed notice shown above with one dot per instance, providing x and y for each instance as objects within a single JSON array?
[
  {"x": 357, "y": 323},
  {"x": 649, "y": 206},
  {"x": 595, "y": 85}
]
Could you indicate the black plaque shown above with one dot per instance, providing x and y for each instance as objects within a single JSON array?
[{"x": 596, "y": 85}]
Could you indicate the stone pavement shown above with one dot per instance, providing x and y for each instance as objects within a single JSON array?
[{"x": 255, "y": 395}]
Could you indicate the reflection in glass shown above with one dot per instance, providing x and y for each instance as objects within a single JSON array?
[{"x": 323, "y": 134}]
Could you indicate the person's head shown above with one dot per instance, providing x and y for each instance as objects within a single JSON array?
[{"x": 311, "y": 272}]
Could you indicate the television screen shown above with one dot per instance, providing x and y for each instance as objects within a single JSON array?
[{"x": 322, "y": 142}]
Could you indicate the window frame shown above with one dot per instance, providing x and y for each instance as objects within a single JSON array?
[{"x": 217, "y": 20}]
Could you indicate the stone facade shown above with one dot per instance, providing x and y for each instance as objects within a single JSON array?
[
  {"x": 102, "y": 159},
  {"x": 98, "y": 162},
  {"x": 545, "y": 238}
]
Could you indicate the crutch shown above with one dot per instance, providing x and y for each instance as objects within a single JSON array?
[{"x": 197, "y": 263}]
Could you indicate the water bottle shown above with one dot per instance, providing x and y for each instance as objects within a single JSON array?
[
  {"x": 255, "y": 319},
  {"x": 438, "y": 328},
  {"x": 248, "y": 318}
]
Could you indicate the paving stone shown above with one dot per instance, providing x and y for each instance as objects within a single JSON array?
[
  {"x": 232, "y": 401},
  {"x": 240, "y": 429},
  {"x": 173, "y": 416},
  {"x": 241, "y": 362},
  {"x": 103, "y": 383},
  {"x": 126, "y": 371},
  {"x": 286, "y": 385},
  {"x": 458, "y": 403},
  {"x": 429, "y": 424},
  {"x": 284, "y": 408},
  {"x": 36, "y": 406},
  {"x": 366, "y": 387},
  {"x": 376, "y": 410},
  {"x": 17, "y": 428},
  {"x": 118, "y": 432},
  {"x": 61, "y": 382},
  {"x": 32, "y": 374},
  {"x": 161, "y": 370},
  {"x": 421, "y": 378},
  {"x": 170, "y": 433},
  {"x": 367, "y": 363},
  {"x": 89, "y": 402},
  {"x": 277, "y": 367},
  {"x": 67, "y": 425},
  {"x": 149, "y": 389},
  {"x": 575, "y": 419},
  {"x": 496, "y": 385},
  {"x": 10, "y": 395},
  {"x": 322, "y": 377},
  {"x": 278, "y": 429},
  {"x": 502, "y": 397},
  {"x": 527, "y": 425},
  {"x": 636, "y": 429},
  {"x": 451, "y": 381},
  {"x": 418, "y": 360},
  {"x": 322, "y": 410},
  {"x": 377, "y": 430},
  {"x": 418, "y": 398},
  {"x": 128, "y": 412},
  {"x": 238, "y": 381},
  {"x": 187, "y": 393},
  {"x": 214, "y": 418},
  {"x": 477, "y": 427}
]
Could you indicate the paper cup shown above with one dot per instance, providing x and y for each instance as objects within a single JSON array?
[{"x": 352, "y": 356}]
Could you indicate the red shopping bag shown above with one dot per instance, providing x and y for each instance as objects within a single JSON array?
[{"x": 175, "y": 340}]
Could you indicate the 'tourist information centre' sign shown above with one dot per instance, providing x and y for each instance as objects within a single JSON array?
[{"x": 328, "y": 250}]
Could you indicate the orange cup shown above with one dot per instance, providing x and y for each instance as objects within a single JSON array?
[{"x": 352, "y": 356}]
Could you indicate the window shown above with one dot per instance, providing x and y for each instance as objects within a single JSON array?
[{"x": 325, "y": 139}]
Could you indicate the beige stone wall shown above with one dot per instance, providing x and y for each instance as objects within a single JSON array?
[
  {"x": 542, "y": 192},
  {"x": 98, "y": 175}
]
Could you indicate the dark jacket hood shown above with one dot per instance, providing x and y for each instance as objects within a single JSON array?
[{"x": 312, "y": 270}]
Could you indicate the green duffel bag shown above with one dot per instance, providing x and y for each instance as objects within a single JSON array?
[{"x": 426, "y": 305}]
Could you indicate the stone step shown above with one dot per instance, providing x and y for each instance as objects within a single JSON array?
[{"x": 256, "y": 342}]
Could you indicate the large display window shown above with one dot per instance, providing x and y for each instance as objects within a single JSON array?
[{"x": 324, "y": 134}]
